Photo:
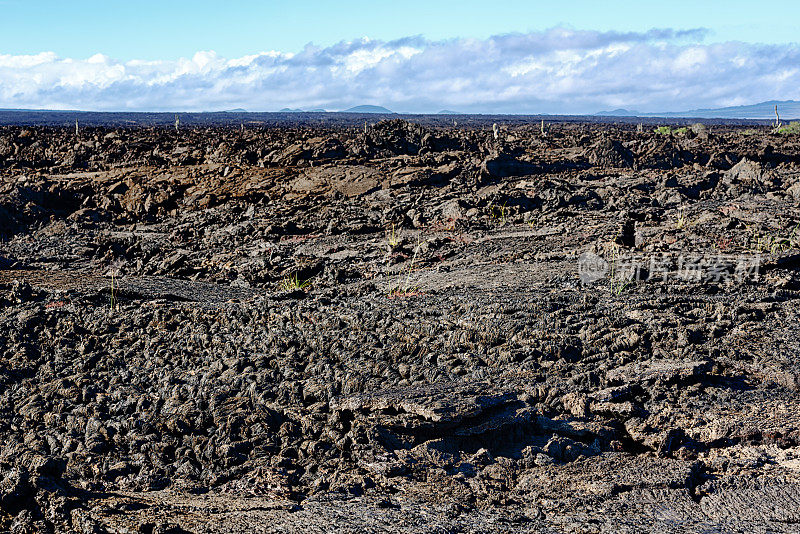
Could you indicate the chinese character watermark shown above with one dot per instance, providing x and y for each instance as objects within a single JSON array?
[{"x": 718, "y": 268}]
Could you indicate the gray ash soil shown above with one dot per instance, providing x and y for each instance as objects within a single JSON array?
[{"x": 442, "y": 369}]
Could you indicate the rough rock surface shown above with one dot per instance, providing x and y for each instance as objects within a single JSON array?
[{"x": 399, "y": 328}]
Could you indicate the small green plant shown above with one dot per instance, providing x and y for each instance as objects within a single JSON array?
[
  {"x": 115, "y": 271},
  {"x": 775, "y": 243},
  {"x": 617, "y": 284},
  {"x": 620, "y": 287},
  {"x": 681, "y": 221},
  {"x": 392, "y": 239},
  {"x": 113, "y": 292},
  {"x": 293, "y": 283},
  {"x": 498, "y": 213},
  {"x": 792, "y": 128},
  {"x": 666, "y": 130},
  {"x": 405, "y": 289}
]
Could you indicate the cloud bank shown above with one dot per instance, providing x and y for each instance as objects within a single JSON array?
[{"x": 554, "y": 71}]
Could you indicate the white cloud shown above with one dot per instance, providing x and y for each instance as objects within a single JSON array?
[
  {"x": 554, "y": 71},
  {"x": 692, "y": 58}
]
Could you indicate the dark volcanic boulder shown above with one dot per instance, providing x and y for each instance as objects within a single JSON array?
[
  {"x": 610, "y": 153},
  {"x": 398, "y": 137},
  {"x": 395, "y": 137},
  {"x": 748, "y": 172},
  {"x": 722, "y": 160},
  {"x": 663, "y": 154},
  {"x": 505, "y": 165},
  {"x": 329, "y": 148},
  {"x": 700, "y": 131}
]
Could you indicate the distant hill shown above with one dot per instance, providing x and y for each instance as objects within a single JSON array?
[
  {"x": 449, "y": 112},
  {"x": 237, "y": 110},
  {"x": 368, "y": 109},
  {"x": 298, "y": 110},
  {"x": 620, "y": 113},
  {"x": 788, "y": 109}
]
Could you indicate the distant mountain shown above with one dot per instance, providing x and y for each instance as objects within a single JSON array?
[
  {"x": 620, "y": 113},
  {"x": 367, "y": 109},
  {"x": 21, "y": 109},
  {"x": 237, "y": 110},
  {"x": 787, "y": 109},
  {"x": 298, "y": 110},
  {"x": 449, "y": 112}
]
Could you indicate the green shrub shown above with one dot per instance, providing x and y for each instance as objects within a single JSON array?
[
  {"x": 791, "y": 128},
  {"x": 666, "y": 130}
]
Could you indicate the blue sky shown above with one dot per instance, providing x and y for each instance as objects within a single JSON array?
[
  {"x": 168, "y": 29},
  {"x": 504, "y": 56}
]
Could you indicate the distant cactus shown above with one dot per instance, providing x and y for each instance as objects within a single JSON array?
[
  {"x": 496, "y": 131},
  {"x": 76, "y": 128},
  {"x": 177, "y": 122}
]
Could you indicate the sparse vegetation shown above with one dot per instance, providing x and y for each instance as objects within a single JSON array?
[
  {"x": 775, "y": 243},
  {"x": 792, "y": 128},
  {"x": 620, "y": 287},
  {"x": 498, "y": 213},
  {"x": 681, "y": 221},
  {"x": 115, "y": 271},
  {"x": 405, "y": 289},
  {"x": 293, "y": 283},
  {"x": 392, "y": 238},
  {"x": 617, "y": 284},
  {"x": 113, "y": 293},
  {"x": 666, "y": 130}
]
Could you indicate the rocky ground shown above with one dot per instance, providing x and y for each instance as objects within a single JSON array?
[{"x": 409, "y": 328}]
